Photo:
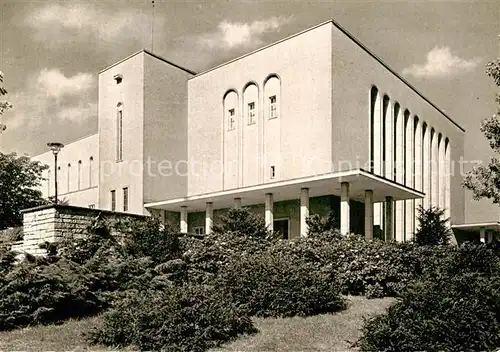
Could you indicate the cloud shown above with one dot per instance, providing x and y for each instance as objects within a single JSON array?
[
  {"x": 53, "y": 97},
  {"x": 231, "y": 35},
  {"x": 442, "y": 63},
  {"x": 55, "y": 84},
  {"x": 59, "y": 23}
]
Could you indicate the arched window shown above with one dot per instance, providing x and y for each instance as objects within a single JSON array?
[
  {"x": 119, "y": 132},
  {"x": 250, "y": 103},
  {"x": 230, "y": 102},
  {"x": 374, "y": 130},
  {"x": 272, "y": 98}
]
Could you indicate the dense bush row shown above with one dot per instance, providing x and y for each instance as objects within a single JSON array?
[{"x": 165, "y": 292}]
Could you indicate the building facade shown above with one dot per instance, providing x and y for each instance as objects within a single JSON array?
[{"x": 313, "y": 123}]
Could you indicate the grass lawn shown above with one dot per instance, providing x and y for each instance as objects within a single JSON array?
[{"x": 327, "y": 332}]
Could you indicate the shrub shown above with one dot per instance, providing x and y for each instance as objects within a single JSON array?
[
  {"x": 242, "y": 222},
  {"x": 432, "y": 228},
  {"x": 149, "y": 238},
  {"x": 206, "y": 256},
  {"x": 34, "y": 292},
  {"x": 265, "y": 284},
  {"x": 321, "y": 225},
  {"x": 188, "y": 318},
  {"x": 447, "y": 313}
]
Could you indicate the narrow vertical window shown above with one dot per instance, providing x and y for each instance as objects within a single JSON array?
[
  {"x": 273, "y": 171},
  {"x": 79, "y": 174},
  {"x": 125, "y": 199},
  {"x": 113, "y": 200},
  {"x": 91, "y": 162},
  {"x": 119, "y": 132},
  {"x": 231, "y": 119},
  {"x": 273, "y": 109},
  {"x": 251, "y": 113},
  {"x": 69, "y": 178}
]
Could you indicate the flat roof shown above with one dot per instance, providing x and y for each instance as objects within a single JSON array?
[
  {"x": 319, "y": 185},
  {"x": 153, "y": 55},
  {"x": 476, "y": 226},
  {"x": 357, "y": 42}
]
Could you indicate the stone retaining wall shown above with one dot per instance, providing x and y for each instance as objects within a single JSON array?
[{"x": 53, "y": 222}]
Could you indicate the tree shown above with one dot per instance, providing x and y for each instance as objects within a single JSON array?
[
  {"x": 484, "y": 179},
  {"x": 432, "y": 228},
  {"x": 4, "y": 105},
  {"x": 19, "y": 179}
]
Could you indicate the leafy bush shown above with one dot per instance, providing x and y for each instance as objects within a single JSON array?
[
  {"x": 244, "y": 223},
  {"x": 188, "y": 318},
  {"x": 321, "y": 225},
  {"x": 34, "y": 292},
  {"x": 265, "y": 284},
  {"x": 150, "y": 238},
  {"x": 432, "y": 228},
  {"x": 447, "y": 313},
  {"x": 207, "y": 256}
]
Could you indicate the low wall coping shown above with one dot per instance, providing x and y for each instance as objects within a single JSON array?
[{"x": 80, "y": 209}]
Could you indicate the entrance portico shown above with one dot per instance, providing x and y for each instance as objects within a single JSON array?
[{"x": 351, "y": 186}]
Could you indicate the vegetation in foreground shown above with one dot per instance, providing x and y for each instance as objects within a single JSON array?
[{"x": 158, "y": 291}]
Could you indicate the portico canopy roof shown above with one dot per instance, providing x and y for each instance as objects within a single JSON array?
[
  {"x": 476, "y": 227},
  {"x": 325, "y": 184}
]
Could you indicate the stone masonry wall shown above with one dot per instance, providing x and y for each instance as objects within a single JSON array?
[{"x": 51, "y": 223}]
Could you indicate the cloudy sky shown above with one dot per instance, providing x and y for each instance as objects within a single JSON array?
[{"x": 52, "y": 51}]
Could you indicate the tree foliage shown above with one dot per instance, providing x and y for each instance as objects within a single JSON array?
[
  {"x": 4, "y": 105},
  {"x": 484, "y": 179},
  {"x": 432, "y": 228},
  {"x": 19, "y": 179}
]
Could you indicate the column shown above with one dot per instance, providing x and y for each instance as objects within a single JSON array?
[
  {"x": 426, "y": 156},
  {"x": 442, "y": 176},
  {"x": 399, "y": 226},
  {"x": 482, "y": 234},
  {"x": 389, "y": 224},
  {"x": 237, "y": 203},
  {"x": 209, "y": 215},
  {"x": 434, "y": 170},
  {"x": 368, "y": 215},
  {"x": 345, "y": 213},
  {"x": 269, "y": 217},
  {"x": 418, "y": 167},
  {"x": 304, "y": 211},
  {"x": 378, "y": 132},
  {"x": 409, "y": 175},
  {"x": 184, "y": 219},
  {"x": 447, "y": 181}
]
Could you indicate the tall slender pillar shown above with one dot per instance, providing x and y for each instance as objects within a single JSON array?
[
  {"x": 184, "y": 219},
  {"x": 418, "y": 167},
  {"x": 345, "y": 213},
  {"x": 399, "y": 217},
  {"x": 434, "y": 170},
  {"x": 389, "y": 214},
  {"x": 482, "y": 234},
  {"x": 269, "y": 212},
  {"x": 304, "y": 211},
  {"x": 368, "y": 215},
  {"x": 409, "y": 175},
  {"x": 209, "y": 216},
  {"x": 237, "y": 203},
  {"x": 426, "y": 157},
  {"x": 442, "y": 170}
]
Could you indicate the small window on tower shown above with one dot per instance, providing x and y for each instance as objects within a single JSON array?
[
  {"x": 231, "y": 119},
  {"x": 273, "y": 111},
  {"x": 251, "y": 113},
  {"x": 118, "y": 78},
  {"x": 273, "y": 171}
]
